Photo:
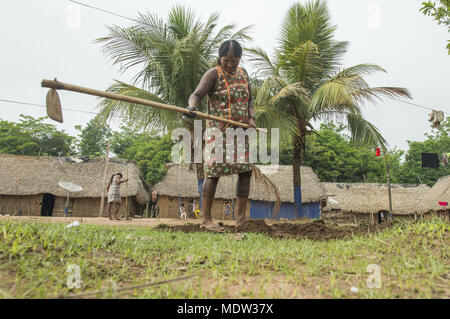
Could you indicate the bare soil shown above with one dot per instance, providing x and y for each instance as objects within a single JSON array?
[{"x": 315, "y": 230}]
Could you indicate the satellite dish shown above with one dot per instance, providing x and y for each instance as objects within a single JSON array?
[
  {"x": 71, "y": 187},
  {"x": 332, "y": 201}
]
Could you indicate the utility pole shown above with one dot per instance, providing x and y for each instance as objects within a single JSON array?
[{"x": 102, "y": 203}]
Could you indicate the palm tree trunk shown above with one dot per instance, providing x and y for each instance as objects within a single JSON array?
[
  {"x": 200, "y": 179},
  {"x": 297, "y": 178}
]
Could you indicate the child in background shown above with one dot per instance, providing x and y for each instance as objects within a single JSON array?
[
  {"x": 195, "y": 208},
  {"x": 183, "y": 212}
]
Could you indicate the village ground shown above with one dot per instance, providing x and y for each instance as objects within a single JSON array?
[{"x": 279, "y": 260}]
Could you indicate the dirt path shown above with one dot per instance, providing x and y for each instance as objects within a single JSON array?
[{"x": 148, "y": 222}]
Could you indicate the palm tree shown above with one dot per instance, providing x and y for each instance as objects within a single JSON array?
[
  {"x": 170, "y": 59},
  {"x": 304, "y": 81}
]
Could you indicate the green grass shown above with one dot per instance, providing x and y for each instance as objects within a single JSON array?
[{"x": 413, "y": 257}]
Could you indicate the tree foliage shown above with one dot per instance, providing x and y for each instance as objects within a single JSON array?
[
  {"x": 437, "y": 142},
  {"x": 93, "y": 139},
  {"x": 334, "y": 158},
  {"x": 149, "y": 150},
  {"x": 440, "y": 11},
  {"x": 30, "y": 136}
]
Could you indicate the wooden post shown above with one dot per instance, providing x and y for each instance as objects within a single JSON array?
[
  {"x": 389, "y": 186},
  {"x": 102, "y": 203},
  {"x": 126, "y": 198}
]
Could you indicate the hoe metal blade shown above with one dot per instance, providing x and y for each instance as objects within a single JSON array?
[{"x": 53, "y": 103}]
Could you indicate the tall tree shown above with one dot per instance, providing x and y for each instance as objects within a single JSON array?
[
  {"x": 30, "y": 136},
  {"x": 304, "y": 81}
]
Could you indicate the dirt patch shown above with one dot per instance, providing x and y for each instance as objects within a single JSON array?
[{"x": 315, "y": 230}]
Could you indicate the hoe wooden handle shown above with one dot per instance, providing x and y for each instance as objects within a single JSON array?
[{"x": 57, "y": 85}]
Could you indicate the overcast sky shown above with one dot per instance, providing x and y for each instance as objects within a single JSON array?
[{"x": 55, "y": 38}]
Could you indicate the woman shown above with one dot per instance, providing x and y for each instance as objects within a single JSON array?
[
  {"x": 114, "y": 194},
  {"x": 229, "y": 95}
]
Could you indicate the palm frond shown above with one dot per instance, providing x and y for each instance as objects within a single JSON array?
[
  {"x": 348, "y": 91},
  {"x": 364, "y": 133},
  {"x": 358, "y": 70},
  {"x": 181, "y": 21},
  {"x": 171, "y": 56},
  {"x": 261, "y": 61},
  {"x": 243, "y": 35},
  {"x": 270, "y": 187},
  {"x": 306, "y": 27},
  {"x": 142, "y": 117}
]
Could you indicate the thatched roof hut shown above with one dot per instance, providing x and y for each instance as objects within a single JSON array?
[
  {"x": 184, "y": 181},
  {"x": 32, "y": 175},
  {"x": 440, "y": 192},
  {"x": 367, "y": 198}
]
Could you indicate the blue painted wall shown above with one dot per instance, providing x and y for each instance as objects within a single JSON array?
[
  {"x": 200, "y": 187},
  {"x": 261, "y": 210}
]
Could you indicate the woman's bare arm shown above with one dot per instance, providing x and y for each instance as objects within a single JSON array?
[
  {"x": 207, "y": 84},
  {"x": 251, "y": 103}
]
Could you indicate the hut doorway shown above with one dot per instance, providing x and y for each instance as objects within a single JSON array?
[
  {"x": 48, "y": 203},
  {"x": 382, "y": 216}
]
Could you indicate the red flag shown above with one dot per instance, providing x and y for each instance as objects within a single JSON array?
[{"x": 377, "y": 152}]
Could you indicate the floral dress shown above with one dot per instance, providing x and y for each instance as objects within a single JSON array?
[{"x": 231, "y": 98}]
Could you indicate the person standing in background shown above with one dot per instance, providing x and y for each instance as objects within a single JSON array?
[{"x": 114, "y": 195}]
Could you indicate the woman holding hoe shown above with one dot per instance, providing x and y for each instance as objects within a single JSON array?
[{"x": 229, "y": 96}]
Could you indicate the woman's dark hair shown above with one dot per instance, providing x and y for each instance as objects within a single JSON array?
[
  {"x": 112, "y": 177},
  {"x": 225, "y": 48}
]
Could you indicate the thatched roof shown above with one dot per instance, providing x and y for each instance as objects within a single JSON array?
[
  {"x": 372, "y": 198},
  {"x": 31, "y": 175},
  {"x": 440, "y": 192},
  {"x": 280, "y": 175}
]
